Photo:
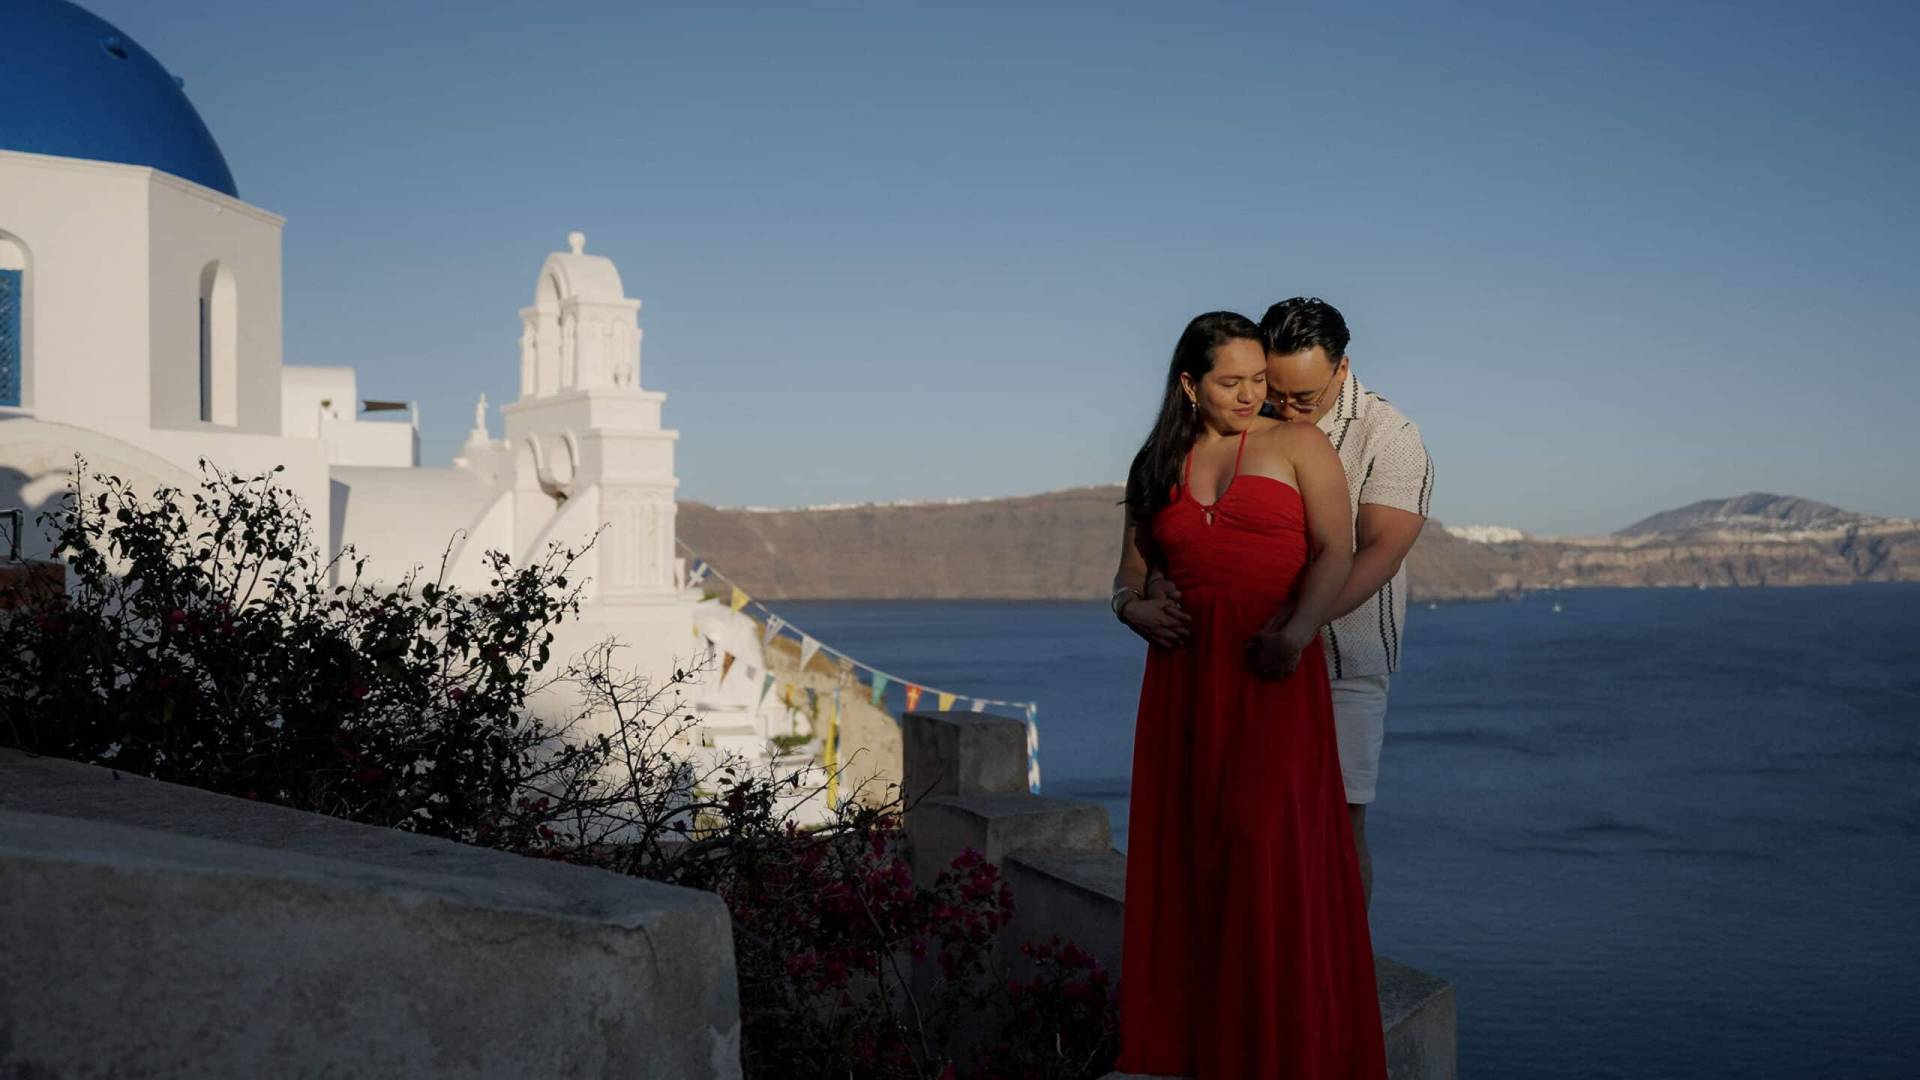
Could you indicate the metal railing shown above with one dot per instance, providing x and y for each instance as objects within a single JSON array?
[{"x": 16, "y": 519}]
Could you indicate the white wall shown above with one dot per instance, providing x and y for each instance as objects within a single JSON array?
[
  {"x": 402, "y": 518},
  {"x": 196, "y": 232},
  {"x": 319, "y": 403},
  {"x": 83, "y": 228}
]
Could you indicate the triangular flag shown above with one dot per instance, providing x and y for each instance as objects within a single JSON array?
[
  {"x": 726, "y": 665},
  {"x": 946, "y": 702},
  {"x": 879, "y": 686},
  {"x": 979, "y": 704},
  {"x": 764, "y": 688},
  {"x": 786, "y": 695},
  {"x": 698, "y": 574},
  {"x": 813, "y": 702},
  {"x": 774, "y": 623},
  {"x": 913, "y": 697},
  {"x": 739, "y": 598},
  {"x": 808, "y": 647}
]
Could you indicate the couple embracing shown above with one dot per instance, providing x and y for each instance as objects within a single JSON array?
[{"x": 1268, "y": 514}]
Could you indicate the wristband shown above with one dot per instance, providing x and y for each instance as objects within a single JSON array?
[{"x": 1120, "y": 599}]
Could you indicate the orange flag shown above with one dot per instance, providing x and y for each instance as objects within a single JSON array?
[{"x": 913, "y": 697}]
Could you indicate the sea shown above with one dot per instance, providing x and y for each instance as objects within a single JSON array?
[{"x": 1644, "y": 832}]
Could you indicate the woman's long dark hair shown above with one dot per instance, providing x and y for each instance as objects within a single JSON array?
[{"x": 1156, "y": 468}]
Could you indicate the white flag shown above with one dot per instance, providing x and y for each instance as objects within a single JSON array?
[
  {"x": 774, "y": 623},
  {"x": 808, "y": 647}
]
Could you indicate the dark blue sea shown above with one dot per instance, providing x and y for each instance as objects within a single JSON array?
[{"x": 1655, "y": 833}]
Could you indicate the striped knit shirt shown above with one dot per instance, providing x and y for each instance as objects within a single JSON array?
[{"x": 1387, "y": 465}]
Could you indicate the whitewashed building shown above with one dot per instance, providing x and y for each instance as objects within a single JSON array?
[{"x": 140, "y": 327}]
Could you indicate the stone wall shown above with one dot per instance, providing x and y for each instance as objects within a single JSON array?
[
  {"x": 154, "y": 930},
  {"x": 869, "y": 735},
  {"x": 1068, "y": 880}
]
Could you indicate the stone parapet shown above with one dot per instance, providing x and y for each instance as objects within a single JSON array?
[{"x": 159, "y": 931}]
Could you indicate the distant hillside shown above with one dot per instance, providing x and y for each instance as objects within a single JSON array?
[
  {"x": 1063, "y": 545},
  {"x": 1756, "y": 512}
]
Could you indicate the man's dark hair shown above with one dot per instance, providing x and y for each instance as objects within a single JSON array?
[{"x": 1303, "y": 322}]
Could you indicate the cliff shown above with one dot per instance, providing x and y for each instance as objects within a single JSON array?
[{"x": 1062, "y": 546}]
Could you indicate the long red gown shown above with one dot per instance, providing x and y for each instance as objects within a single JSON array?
[{"x": 1246, "y": 950}]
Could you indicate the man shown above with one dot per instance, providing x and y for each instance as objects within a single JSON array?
[{"x": 1390, "y": 487}]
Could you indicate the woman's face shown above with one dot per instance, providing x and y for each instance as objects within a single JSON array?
[{"x": 1228, "y": 396}]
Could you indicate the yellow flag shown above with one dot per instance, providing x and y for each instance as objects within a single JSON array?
[
  {"x": 946, "y": 702},
  {"x": 830, "y": 752},
  {"x": 739, "y": 598}
]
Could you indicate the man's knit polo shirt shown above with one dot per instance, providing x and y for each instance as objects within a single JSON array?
[{"x": 1386, "y": 465}]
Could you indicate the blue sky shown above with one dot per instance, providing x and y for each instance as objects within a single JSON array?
[{"x": 1612, "y": 257}]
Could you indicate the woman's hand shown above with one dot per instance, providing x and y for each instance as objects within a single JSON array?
[{"x": 1162, "y": 622}]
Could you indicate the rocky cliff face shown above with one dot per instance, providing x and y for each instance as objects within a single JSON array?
[{"x": 1063, "y": 546}]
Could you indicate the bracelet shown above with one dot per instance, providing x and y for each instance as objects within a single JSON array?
[{"x": 1118, "y": 602}]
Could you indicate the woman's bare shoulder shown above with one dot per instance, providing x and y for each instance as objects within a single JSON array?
[{"x": 1285, "y": 437}]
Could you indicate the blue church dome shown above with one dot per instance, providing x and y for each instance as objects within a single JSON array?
[{"x": 74, "y": 86}]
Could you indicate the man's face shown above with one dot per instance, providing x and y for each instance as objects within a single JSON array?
[{"x": 1302, "y": 386}]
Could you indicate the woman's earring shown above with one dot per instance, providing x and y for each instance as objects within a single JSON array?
[{"x": 1193, "y": 404}]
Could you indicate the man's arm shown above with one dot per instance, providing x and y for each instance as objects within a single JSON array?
[
  {"x": 1393, "y": 509},
  {"x": 1383, "y": 535}
]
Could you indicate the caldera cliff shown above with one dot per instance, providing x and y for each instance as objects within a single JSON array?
[{"x": 1062, "y": 546}]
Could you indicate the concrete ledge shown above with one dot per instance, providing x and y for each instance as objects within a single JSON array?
[
  {"x": 1417, "y": 1011},
  {"x": 1000, "y": 825},
  {"x": 1080, "y": 896},
  {"x": 159, "y": 931},
  {"x": 962, "y": 753}
]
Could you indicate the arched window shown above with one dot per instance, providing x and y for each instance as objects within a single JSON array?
[
  {"x": 219, "y": 346},
  {"x": 13, "y": 320}
]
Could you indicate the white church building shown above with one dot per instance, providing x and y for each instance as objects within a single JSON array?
[{"x": 140, "y": 327}]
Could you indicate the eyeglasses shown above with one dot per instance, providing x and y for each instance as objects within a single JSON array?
[{"x": 1311, "y": 402}]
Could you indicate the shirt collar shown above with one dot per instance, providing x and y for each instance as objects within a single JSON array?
[{"x": 1347, "y": 406}]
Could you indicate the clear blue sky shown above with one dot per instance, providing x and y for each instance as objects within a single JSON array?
[{"x": 1612, "y": 257}]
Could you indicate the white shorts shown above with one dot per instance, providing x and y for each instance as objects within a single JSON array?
[{"x": 1359, "y": 724}]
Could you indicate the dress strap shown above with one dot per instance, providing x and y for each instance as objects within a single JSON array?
[
  {"x": 1236, "y": 456},
  {"x": 1186, "y": 472}
]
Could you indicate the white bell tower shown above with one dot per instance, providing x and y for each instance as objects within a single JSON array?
[{"x": 588, "y": 454}]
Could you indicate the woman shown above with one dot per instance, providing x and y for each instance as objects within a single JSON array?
[{"x": 1246, "y": 950}]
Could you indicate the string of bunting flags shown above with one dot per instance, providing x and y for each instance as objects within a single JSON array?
[{"x": 699, "y": 571}]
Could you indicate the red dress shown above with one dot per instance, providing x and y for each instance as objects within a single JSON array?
[{"x": 1246, "y": 951}]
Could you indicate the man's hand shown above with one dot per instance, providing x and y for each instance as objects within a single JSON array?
[
  {"x": 1275, "y": 653},
  {"x": 1161, "y": 621}
]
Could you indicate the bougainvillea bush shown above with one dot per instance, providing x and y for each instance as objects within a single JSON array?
[{"x": 203, "y": 640}]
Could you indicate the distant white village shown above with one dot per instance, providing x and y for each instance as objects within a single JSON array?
[{"x": 140, "y": 328}]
